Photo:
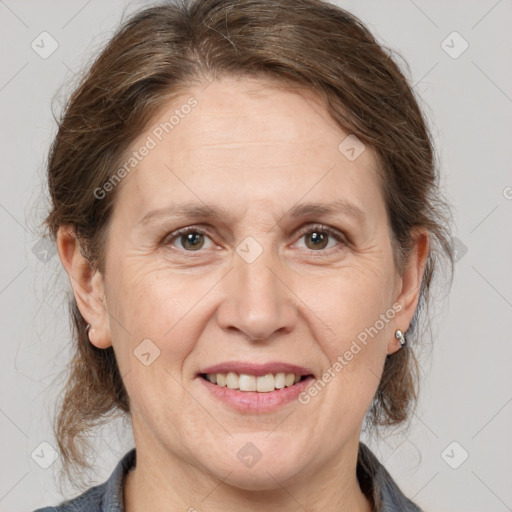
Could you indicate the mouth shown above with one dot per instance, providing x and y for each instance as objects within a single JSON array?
[
  {"x": 259, "y": 383},
  {"x": 255, "y": 388}
]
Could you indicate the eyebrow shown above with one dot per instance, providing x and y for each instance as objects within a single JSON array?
[{"x": 197, "y": 210}]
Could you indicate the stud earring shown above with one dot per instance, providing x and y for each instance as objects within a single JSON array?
[{"x": 399, "y": 335}]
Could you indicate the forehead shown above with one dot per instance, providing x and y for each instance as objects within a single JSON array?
[{"x": 247, "y": 140}]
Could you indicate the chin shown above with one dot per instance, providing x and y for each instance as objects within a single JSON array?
[
  {"x": 264, "y": 478},
  {"x": 258, "y": 469}
]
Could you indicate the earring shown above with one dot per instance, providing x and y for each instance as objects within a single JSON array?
[{"x": 399, "y": 335}]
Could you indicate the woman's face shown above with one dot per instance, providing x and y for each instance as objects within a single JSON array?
[{"x": 263, "y": 284}]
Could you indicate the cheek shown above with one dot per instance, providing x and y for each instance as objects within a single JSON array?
[
  {"x": 151, "y": 302},
  {"x": 352, "y": 303},
  {"x": 355, "y": 308},
  {"x": 355, "y": 357},
  {"x": 154, "y": 327}
]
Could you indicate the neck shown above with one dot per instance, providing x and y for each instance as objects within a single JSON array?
[{"x": 173, "y": 485}]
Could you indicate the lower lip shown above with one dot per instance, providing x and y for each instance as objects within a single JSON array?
[{"x": 253, "y": 401}]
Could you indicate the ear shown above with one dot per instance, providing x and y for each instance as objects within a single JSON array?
[
  {"x": 408, "y": 286},
  {"x": 88, "y": 286}
]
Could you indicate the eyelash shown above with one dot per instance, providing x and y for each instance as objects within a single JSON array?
[{"x": 171, "y": 237}]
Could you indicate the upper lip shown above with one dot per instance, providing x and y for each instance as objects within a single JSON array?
[{"x": 247, "y": 368}]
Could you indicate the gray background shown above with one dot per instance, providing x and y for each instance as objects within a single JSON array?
[{"x": 467, "y": 393}]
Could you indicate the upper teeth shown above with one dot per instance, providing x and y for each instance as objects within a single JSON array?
[{"x": 244, "y": 382}]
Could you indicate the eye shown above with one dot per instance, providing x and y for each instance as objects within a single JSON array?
[
  {"x": 317, "y": 237},
  {"x": 191, "y": 238}
]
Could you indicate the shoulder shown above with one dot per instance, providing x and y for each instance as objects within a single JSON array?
[
  {"x": 106, "y": 497},
  {"x": 379, "y": 486},
  {"x": 90, "y": 501}
]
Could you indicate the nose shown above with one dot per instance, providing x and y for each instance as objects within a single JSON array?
[{"x": 258, "y": 301}]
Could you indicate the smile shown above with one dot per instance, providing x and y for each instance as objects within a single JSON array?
[{"x": 246, "y": 382}]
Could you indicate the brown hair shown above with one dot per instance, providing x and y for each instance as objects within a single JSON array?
[{"x": 160, "y": 52}]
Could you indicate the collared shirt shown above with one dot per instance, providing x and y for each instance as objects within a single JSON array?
[{"x": 374, "y": 480}]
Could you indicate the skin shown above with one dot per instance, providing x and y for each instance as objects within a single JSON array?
[{"x": 257, "y": 151}]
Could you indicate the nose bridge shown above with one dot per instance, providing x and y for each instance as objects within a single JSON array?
[{"x": 257, "y": 300}]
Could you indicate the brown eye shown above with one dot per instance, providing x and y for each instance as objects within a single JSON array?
[
  {"x": 318, "y": 240},
  {"x": 322, "y": 239},
  {"x": 188, "y": 239},
  {"x": 193, "y": 241}
]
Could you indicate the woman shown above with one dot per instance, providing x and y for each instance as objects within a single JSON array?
[{"x": 245, "y": 200}]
